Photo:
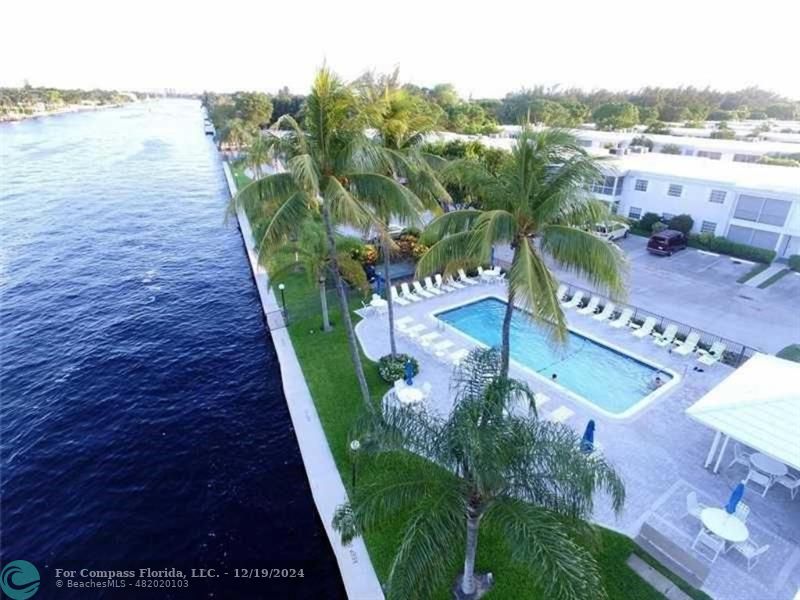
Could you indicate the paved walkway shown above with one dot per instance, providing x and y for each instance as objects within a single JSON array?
[
  {"x": 659, "y": 451},
  {"x": 327, "y": 488},
  {"x": 764, "y": 275}
]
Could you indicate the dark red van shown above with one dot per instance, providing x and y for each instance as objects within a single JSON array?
[{"x": 666, "y": 242}]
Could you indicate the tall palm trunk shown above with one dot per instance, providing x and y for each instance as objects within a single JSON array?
[
  {"x": 468, "y": 581},
  {"x": 505, "y": 344},
  {"x": 344, "y": 306},
  {"x": 323, "y": 300},
  {"x": 389, "y": 303}
]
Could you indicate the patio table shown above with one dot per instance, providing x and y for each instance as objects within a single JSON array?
[
  {"x": 768, "y": 466},
  {"x": 410, "y": 395},
  {"x": 729, "y": 527}
]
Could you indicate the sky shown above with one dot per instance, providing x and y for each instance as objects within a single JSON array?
[{"x": 485, "y": 48}]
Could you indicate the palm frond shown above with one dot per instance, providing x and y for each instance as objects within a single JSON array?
[
  {"x": 386, "y": 198},
  {"x": 305, "y": 173},
  {"x": 286, "y": 220},
  {"x": 456, "y": 221},
  {"x": 344, "y": 208},
  {"x": 446, "y": 254},
  {"x": 490, "y": 228},
  {"x": 272, "y": 189}
]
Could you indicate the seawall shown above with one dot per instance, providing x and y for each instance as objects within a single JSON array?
[{"x": 327, "y": 487}]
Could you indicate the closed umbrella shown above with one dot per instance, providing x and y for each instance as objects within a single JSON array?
[
  {"x": 736, "y": 496},
  {"x": 409, "y": 372},
  {"x": 587, "y": 442}
]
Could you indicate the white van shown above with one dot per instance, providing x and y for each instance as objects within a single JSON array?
[{"x": 611, "y": 231}]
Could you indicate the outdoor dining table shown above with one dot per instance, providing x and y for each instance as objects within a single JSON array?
[
  {"x": 768, "y": 466},
  {"x": 410, "y": 395},
  {"x": 724, "y": 525}
]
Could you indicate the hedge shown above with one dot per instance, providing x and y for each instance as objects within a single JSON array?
[
  {"x": 723, "y": 245},
  {"x": 794, "y": 262}
]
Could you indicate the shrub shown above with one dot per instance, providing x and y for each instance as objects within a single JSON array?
[
  {"x": 682, "y": 223},
  {"x": 723, "y": 134},
  {"x": 706, "y": 241},
  {"x": 778, "y": 161},
  {"x": 794, "y": 262},
  {"x": 392, "y": 368},
  {"x": 670, "y": 149},
  {"x": 366, "y": 255},
  {"x": 648, "y": 220},
  {"x": 658, "y": 128},
  {"x": 641, "y": 140},
  {"x": 658, "y": 227},
  {"x": 757, "y": 115},
  {"x": 418, "y": 250}
]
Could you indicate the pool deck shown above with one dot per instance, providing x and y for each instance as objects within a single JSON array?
[{"x": 658, "y": 450}]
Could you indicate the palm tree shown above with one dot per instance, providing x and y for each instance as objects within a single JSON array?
[
  {"x": 259, "y": 153},
  {"x": 491, "y": 463},
  {"x": 541, "y": 194},
  {"x": 332, "y": 170},
  {"x": 400, "y": 120},
  {"x": 236, "y": 134},
  {"x": 309, "y": 250}
]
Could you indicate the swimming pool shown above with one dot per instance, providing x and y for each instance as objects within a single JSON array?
[{"x": 612, "y": 381}]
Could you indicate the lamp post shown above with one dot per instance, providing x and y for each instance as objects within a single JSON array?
[
  {"x": 281, "y": 287},
  {"x": 355, "y": 446}
]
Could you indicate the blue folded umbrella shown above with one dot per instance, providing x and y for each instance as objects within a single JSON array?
[
  {"x": 409, "y": 373},
  {"x": 587, "y": 442},
  {"x": 736, "y": 496}
]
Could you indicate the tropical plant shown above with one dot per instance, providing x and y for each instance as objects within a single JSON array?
[
  {"x": 616, "y": 115},
  {"x": 682, "y": 223},
  {"x": 542, "y": 194},
  {"x": 671, "y": 149},
  {"x": 258, "y": 153},
  {"x": 491, "y": 462},
  {"x": 308, "y": 248},
  {"x": 393, "y": 366},
  {"x": 334, "y": 171}
]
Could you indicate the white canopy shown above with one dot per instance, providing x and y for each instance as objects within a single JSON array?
[{"x": 758, "y": 405}]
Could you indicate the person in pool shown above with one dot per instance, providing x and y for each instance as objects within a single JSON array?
[
  {"x": 657, "y": 382},
  {"x": 554, "y": 377}
]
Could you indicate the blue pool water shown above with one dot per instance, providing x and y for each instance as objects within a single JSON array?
[{"x": 611, "y": 380}]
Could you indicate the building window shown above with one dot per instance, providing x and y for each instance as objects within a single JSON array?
[
  {"x": 762, "y": 210},
  {"x": 708, "y": 227},
  {"x": 675, "y": 190},
  {"x": 605, "y": 186},
  {"x": 641, "y": 185},
  {"x": 753, "y": 237},
  {"x": 634, "y": 212},
  {"x": 747, "y": 158},
  {"x": 618, "y": 189},
  {"x": 666, "y": 217},
  {"x": 711, "y": 155},
  {"x": 717, "y": 196}
]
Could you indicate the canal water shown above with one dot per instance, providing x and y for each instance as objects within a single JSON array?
[{"x": 143, "y": 421}]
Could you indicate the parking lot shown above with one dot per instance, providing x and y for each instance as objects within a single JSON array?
[{"x": 701, "y": 290}]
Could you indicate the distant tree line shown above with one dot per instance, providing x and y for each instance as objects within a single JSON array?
[{"x": 28, "y": 99}]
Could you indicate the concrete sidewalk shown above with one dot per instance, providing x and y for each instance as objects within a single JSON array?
[{"x": 327, "y": 487}]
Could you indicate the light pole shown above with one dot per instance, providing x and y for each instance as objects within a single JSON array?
[
  {"x": 281, "y": 287},
  {"x": 355, "y": 446}
]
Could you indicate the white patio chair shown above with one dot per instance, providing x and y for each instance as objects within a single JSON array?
[
  {"x": 397, "y": 299},
  {"x": 646, "y": 328},
  {"x": 429, "y": 339},
  {"x": 441, "y": 349},
  {"x": 462, "y": 276},
  {"x": 693, "y": 507},
  {"x": 420, "y": 291},
  {"x": 574, "y": 301},
  {"x": 666, "y": 338},
  {"x": 740, "y": 456},
  {"x": 429, "y": 287},
  {"x": 442, "y": 285},
  {"x": 561, "y": 292},
  {"x": 453, "y": 283},
  {"x": 764, "y": 481},
  {"x": 709, "y": 541},
  {"x": 742, "y": 512},
  {"x": 714, "y": 354},
  {"x": 608, "y": 310},
  {"x": 590, "y": 307},
  {"x": 623, "y": 319},
  {"x": 789, "y": 482},
  {"x": 483, "y": 276},
  {"x": 689, "y": 345},
  {"x": 751, "y": 551},
  {"x": 408, "y": 294}
]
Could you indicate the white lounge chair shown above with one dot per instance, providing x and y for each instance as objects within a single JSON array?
[
  {"x": 402, "y": 321},
  {"x": 589, "y": 309},
  {"x": 606, "y": 313},
  {"x": 540, "y": 400},
  {"x": 429, "y": 338},
  {"x": 456, "y": 357},
  {"x": 559, "y": 415},
  {"x": 693, "y": 507},
  {"x": 751, "y": 551},
  {"x": 414, "y": 331},
  {"x": 441, "y": 349},
  {"x": 429, "y": 287},
  {"x": 623, "y": 319},
  {"x": 574, "y": 301},
  {"x": 483, "y": 276},
  {"x": 452, "y": 282},
  {"x": 689, "y": 345},
  {"x": 421, "y": 291},
  {"x": 646, "y": 328},
  {"x": 397, "y": 299},
  {"x": 408, "y": 294},
  {"x": 404, "y": 324},
  {"x": 764, "y": 481},
  {"x": 714, "y": 354},
  {"x": 561, "y": 292},
  {"x": 462, "y": 276},
  {"x": 445, "y": 287},
  {"x": 666, "y": 338},
  {"x": 790, "y": 482}
]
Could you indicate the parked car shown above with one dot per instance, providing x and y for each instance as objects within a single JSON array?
[
  {"x": 666, "y": 242},
  {"x": 611, "y": 231}
]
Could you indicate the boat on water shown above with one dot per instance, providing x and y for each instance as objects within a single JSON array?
[{"x": 209, "y": 127}]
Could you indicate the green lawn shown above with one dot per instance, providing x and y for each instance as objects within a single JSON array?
[
  {"x": 326, "y": 364},
  {"x": 791, "y": 353},
  {"x": 774, "y": 279},
  {"x": 755, "y": 270}
]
